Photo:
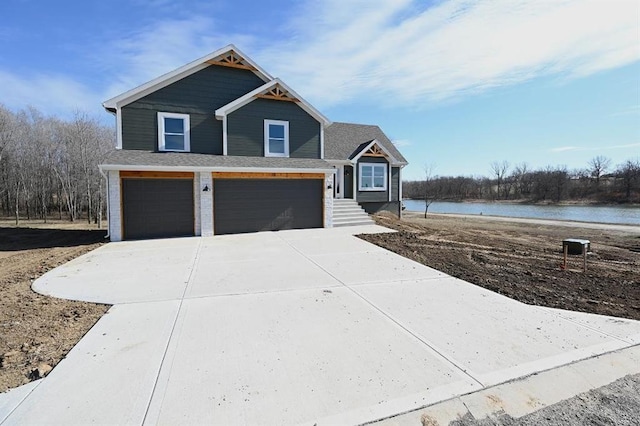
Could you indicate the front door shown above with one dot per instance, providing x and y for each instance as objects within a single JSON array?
[{"x": 348, "y": 182}]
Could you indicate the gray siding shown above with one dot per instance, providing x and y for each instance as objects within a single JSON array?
[
  {"x": 392, "y": 207},
  {"x": 395, "y": 183},
  {"x": 245, "y": 129},
  {"x": 370, "y": 196},
  {"x": 198, "y": 95}
]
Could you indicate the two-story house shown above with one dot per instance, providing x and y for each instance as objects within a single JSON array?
[{"x": 219, "y": 146}]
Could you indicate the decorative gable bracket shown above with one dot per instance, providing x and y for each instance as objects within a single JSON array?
[
  {"x": 374, "y": 151},
  {"x": 231, "y": 59},
  {"x": 278, "y": 93}
]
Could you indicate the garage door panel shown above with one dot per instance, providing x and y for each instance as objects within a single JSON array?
[
  {"x": 157, "y": 208},
  {"x": 251, "y": 205}
]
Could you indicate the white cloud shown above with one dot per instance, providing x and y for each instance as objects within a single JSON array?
[
  {"x": 632, "y": 110},
  {"x": 597, "y": 148},
  {"x": 566, "y": 148},
  {"x": 395, "y": 52},
  {"x": 158, "y": 48},
  {"x": 50, "y": 93},
  {"x": 401, "y": 142}
]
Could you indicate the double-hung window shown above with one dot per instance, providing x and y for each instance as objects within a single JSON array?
[
  {"x": 276, "y": 138},
  {"x": 173, "y": 132},
  {"x": 373, "y": 177}
]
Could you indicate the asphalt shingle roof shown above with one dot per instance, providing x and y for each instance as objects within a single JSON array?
[
  {"x": 185, "y": 159},
  {"x": 343, "y": 140}
]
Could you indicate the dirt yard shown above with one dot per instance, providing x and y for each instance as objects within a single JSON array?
[
  {"x": 36, "y": 331},
  {"x": 524, "y": 261}
]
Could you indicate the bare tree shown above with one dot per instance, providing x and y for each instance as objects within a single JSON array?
[
  {"x": 629, "y": 173},
  {"x": 47, "y": 163},
  {"x": 598, "y": 166},
  {"x": 7, "y": 139},
  {"x": 429, "y": 195},
  {"x": 522, "y": 178},
  {"x": 560, "y": 178},
  {"x": 499, "y": 170}
]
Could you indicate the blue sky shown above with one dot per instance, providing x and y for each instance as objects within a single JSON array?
[{"x": 457, "y": 84}]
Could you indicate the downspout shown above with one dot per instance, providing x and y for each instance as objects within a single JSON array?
[
  {"x": 400, "y": 190},
  {"x": 106, "y": 178}
]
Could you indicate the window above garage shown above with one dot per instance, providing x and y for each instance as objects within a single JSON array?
[
  {"x": 276, "y": 138},
  {"x": 173, "y": 132},
  {"x": 372, "y": 177}
]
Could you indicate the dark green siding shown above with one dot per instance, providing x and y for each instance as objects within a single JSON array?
[
  {"x": 370, "y": 196},
  {"x": 245, "y": 129},
  {"x": 198, "y": 95}
]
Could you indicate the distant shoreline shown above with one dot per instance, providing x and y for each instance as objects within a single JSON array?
[
  {"x": 552, "y": 222},
  {"x": 588, "y": 203}
]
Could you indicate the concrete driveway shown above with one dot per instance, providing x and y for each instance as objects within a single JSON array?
[{"x": 291, "y": 327}]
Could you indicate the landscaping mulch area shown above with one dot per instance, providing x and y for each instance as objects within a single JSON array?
[
  {"x": 36, "y": 331},
  {"x": 524, "y": 261}
]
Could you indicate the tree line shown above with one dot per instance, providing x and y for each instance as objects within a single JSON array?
[
  {"x": 49, "y": 166},
  {"x": 598, "y": 182}
]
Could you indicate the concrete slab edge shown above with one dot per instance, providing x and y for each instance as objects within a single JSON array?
[
  {"x": 11, "y": 399},
  {"x": 356, "y": 416},
  {"x": 527, "y": 394}
]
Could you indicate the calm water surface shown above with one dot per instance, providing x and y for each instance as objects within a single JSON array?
[{"x": 600, "y": 214}]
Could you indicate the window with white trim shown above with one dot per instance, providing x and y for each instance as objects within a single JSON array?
[
  {"x": 372, "y": 177},
  {"x": 173, "y": 132},
  {"x": 276, "y": 138}
]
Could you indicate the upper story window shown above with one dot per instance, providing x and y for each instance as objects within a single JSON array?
[
  {"x": 173, "y": 132},
  {"x": 373, "y": 177},
  {"x": 276, "y": 138}
]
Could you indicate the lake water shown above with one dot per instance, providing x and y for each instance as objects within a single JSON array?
[{"x": 601, "y": 214}]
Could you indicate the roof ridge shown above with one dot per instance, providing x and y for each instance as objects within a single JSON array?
[{"x": 355, "y": 124}]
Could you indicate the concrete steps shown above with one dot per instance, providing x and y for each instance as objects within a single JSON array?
[{"x": 347, "y": 212}]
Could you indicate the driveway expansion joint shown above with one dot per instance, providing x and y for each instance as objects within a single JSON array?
[
  {"x": 447, "y": 360},
  {"x": 189, "y": 280}
]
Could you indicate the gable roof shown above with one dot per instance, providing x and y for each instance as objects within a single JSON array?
[
  {"x": 277, "y": 85},
  {"x": 372, "y": 145},
  {"x": 346, "y": 141},
  {"x": 230, "y": 56}
]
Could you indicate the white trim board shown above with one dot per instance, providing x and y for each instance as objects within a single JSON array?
[
  {"x": 232, "y": 106},
  {"x": 373, "y": 166},
  {"x": 267, "y": 138},
  {"x": 212, "y": 169}
]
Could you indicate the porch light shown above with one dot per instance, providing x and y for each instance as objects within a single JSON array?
[{"x": 206, "y": 188}]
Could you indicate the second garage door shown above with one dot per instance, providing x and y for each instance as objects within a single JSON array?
[{"x": 252, "y": 205}]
